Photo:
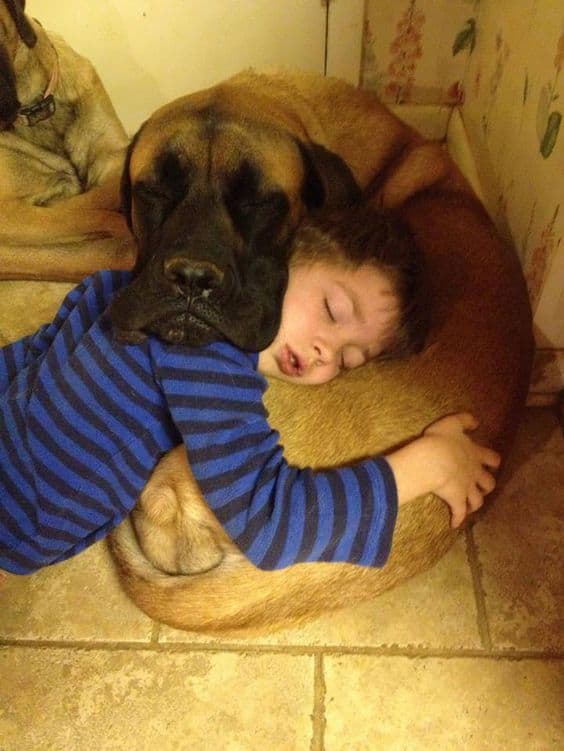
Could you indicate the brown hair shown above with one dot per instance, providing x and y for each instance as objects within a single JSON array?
[{"x": 363, "y": 235}]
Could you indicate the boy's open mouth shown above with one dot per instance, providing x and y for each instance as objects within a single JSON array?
[{"x": 290, "y": 364}]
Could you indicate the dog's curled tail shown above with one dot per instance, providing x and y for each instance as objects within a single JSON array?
[{"x": 235, "y": 595}]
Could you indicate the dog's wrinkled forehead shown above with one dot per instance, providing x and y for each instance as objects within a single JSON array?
[{"x": 209, "y": 147}]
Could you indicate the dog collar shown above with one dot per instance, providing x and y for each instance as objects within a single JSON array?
[{"x": 42, "y": 110}]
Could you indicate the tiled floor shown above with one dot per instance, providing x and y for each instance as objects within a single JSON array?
[{"x": 467, "y": 656}]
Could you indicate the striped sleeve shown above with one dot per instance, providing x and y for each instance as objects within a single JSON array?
[
  {"x": 12, "y": 360},
  {"x": 14, "y": 357},
  {"x": 68, "y": 464},
  {"x": 277, "y": 514}
]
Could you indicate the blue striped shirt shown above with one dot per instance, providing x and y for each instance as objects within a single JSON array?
[{"x": 85, "y": 419}]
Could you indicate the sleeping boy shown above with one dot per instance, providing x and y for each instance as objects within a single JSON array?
[{"x": 85, "y": 418}]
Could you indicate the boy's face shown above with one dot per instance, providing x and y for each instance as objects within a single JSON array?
[{"x": 333, "y": 319}]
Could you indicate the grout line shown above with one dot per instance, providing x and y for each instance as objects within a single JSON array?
[
  {"x": 155, "y": 632},
  {"x": 318, "y": 717},
  {"x": 479, "y": 597},
  {"x": 294, "y": 651}
]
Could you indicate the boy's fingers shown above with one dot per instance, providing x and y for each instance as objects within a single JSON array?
[
  {"x": 491, "y": 458},
  {"x": 458, "y": 514},
  {"x": 468, "y": 421},
  {"x": 453, "y": 422},
  {"x": 486, "y": 482},
  {"x": 475, "y": 500}
]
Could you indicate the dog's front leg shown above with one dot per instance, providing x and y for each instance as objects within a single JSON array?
[
  {"x": 105, "y": 196},
  {"x": 96, "y": 140}
]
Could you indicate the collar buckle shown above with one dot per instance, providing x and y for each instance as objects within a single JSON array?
[
  {"x": 36, "y": 113},
  {"x": 46, "y": 106}
]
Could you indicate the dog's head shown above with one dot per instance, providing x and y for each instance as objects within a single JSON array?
[
  {"x": 212, "y": 199},
  {"x": 14, "y": 27}
]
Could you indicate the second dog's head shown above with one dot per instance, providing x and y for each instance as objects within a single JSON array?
[
  {"x": 212, "y": 196},
  {"x": 14, "y": 27}
]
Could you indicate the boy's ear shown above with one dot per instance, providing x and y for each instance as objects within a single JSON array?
[{"x": 328, "y": 181}]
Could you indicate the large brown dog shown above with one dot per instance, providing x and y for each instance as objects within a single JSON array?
[
  {"x": 61, "y": 155},
  {"x": 289, "y": 133}
]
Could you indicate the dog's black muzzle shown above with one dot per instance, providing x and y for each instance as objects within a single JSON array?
[
  {"x": 212, "y": 261},
  {"x": 193, "y": 278},
  {"x": 195, "y": 302}
]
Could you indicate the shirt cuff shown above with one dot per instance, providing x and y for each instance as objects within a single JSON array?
[{"x": 389, "y": 511}]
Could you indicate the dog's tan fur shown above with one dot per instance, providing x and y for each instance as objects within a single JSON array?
[
  {"x": 478, "y": 358},
  {"x": 59, "y": 179}
]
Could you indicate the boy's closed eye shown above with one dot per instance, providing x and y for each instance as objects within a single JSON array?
[{"x": 340, "y": 307}]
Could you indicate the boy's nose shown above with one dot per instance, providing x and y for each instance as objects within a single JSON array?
[{"x": 323, "y": 353}]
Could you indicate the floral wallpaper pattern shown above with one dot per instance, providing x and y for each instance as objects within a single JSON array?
[
  {"x": 502, "y": 64},
  {"x": 405, "y": 51},
  {"x": 548, "y": 121},
  {"x": 410, "y": 51}
]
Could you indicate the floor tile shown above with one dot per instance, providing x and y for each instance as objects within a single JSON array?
[
  {"x": 401, "y": 617},
  {"x": 519, "y": 542},
  {"x": 122, "y": 700},
  {"x": 74, "y": 600},
  {"x": 423, "y": 704}
]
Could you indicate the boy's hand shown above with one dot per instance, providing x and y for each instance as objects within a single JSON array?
[
  {"x": 446, "y": 461},
  {"x": 463, "y": 466}
]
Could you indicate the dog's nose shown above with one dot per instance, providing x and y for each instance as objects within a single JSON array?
[{"x": 194, "y": 276}]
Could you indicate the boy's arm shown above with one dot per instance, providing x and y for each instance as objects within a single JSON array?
[
  {"x": 277, "y": 514},
  {"x": 16, "y": 356},
  {"x": 12, "y": 359}
]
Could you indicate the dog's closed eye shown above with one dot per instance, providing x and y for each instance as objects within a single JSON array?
[
  {"x": 271, "y": 200},
  {"x": 154, "y": 202},
  {"x": 144, "y": 191},
  {"x": 252, "y": 215}
]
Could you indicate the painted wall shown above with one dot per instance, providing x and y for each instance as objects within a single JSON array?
[
  {"x": 149, "y": 52},
  {"x": 503, "y": 63}
]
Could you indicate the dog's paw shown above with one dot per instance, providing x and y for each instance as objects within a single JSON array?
[{"x": 59, "y": 186}]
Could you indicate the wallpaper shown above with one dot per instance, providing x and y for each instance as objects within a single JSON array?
[{"x": 502, "y": 64}]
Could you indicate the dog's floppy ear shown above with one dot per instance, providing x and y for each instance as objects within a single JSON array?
[
  {"x": 125, "y": 184},
  {"x": 16, "y": 9},
  {"x": 9, "y": 104},
  {"x": 328, "y": 181}
]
